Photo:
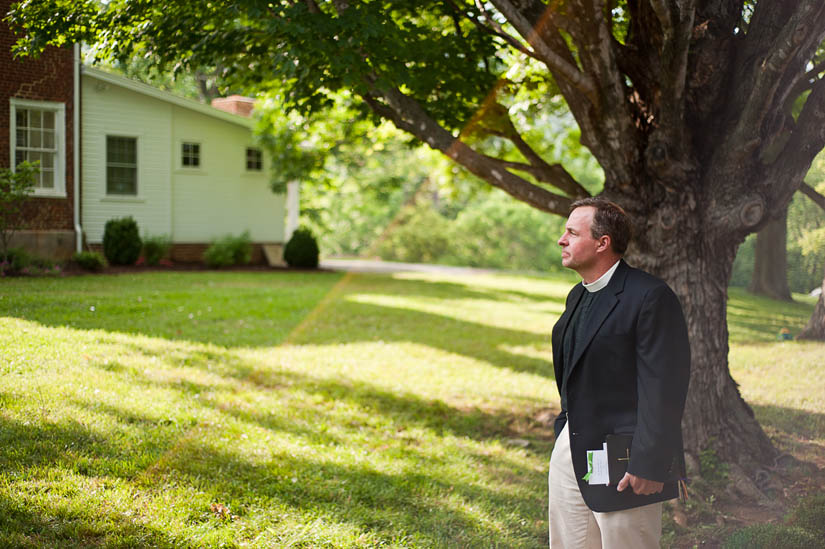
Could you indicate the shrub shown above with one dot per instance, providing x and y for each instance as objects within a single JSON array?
[
  {"x": 121, "y": 241},
  {"x": 90, "y": 261},
  {"x": 302, "y": 249},
  {"x": 420, "y": 235},
  {"x": 15, "y": 261},
  {"x": 771, "y": 536},
  {"x": 155, "y": 248},
  {"x": 229, "y": 250}
]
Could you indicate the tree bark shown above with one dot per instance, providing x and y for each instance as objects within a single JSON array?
[
  {"x": 716, "y": 416},
  {"x": 770, "y": 266}
]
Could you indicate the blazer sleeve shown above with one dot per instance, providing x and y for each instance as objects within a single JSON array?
[{"x": 662, "y": 376}]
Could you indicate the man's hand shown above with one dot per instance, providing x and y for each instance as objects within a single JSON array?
[{"x": 641, "y": 486}]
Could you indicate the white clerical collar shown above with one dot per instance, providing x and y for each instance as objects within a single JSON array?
[{"x": 602, "y": 281}]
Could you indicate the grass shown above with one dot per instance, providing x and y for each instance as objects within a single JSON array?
[{"x": 308, "y": 410}]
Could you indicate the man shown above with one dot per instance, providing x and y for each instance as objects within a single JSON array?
[{"x": 622, "y": 362}]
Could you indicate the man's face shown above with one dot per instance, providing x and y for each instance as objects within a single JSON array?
[{"x": 578, "y": 247}]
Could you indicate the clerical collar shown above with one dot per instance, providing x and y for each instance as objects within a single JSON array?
[{"x": 603, "y": 280}]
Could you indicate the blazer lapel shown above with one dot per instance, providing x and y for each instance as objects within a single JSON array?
[{"x": 603, "y": 307}]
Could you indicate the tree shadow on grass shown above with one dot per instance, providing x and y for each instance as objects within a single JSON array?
[
  {"x": 418, "y": 504},
  {"x": 404, "y": 409},
  {"x": 58, "y": 528},
  {"x": 414, "y": 501},
  {"x": 35, "y": 459},
  {"x": 363, "y": 322},
  {"x": 262, "y": 317},
  {"x": 801, "y": 423}
]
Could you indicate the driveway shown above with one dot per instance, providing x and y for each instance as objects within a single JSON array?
[{"x": 374, "y": 266}]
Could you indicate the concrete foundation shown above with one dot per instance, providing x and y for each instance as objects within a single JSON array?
[{"x": 52, "y": 245}]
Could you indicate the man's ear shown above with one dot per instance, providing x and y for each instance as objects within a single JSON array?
[{"x": 604, "y": 243}]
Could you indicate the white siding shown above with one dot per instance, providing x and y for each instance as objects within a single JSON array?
[
  {"x": 221, "y": 197},
  {"x": 198, "y": 205},
  {"x": 110, "y": 110}
]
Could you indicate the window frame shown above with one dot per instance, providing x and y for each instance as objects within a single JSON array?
[
  {"x": 200, "y": 156},
  {"x": 106, "y": 192},
  {"x": 59, "y": 166},
  {"x": 246, "y": 159}
]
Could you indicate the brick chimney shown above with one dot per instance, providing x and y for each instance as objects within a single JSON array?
[{"x": 235, "y": 104}]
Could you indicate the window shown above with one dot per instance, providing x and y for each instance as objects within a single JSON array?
[
  {"x": 254, "y": 159},
  {"x": 37, "y": 130},
  {"x": 190, "y": 155},
  {"x": 121, "y": 165}
]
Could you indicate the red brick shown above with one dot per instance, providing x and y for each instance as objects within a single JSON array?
[{"x": 48, "y": 78}]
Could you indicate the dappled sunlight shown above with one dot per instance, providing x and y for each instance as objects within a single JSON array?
[
  {"x": 527, "y": 286},
  {"x": 784, "y": 373},
  {"x": 753, "y": 318},
  {"x": 522, "y": 316},
  {"x": 539, "y": 351}
]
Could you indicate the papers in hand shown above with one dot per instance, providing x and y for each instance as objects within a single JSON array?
[{"x": 597, "y": 470}]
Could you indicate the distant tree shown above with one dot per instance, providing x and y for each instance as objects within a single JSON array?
[
  {"x": 770, "y": 266},
  {"x": 815, "y": 329},
  {"x": 685, "y": 104}
]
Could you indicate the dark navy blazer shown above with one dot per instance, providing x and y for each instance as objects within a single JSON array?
[{"x": 629, "y": 376}]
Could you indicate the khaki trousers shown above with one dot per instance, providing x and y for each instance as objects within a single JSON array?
[{"x": 574, "y": 526}]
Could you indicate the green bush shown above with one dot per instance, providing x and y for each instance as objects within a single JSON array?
[
  {"x": 302, "y": 249},
  {"x": 16, "y": 261},
  {"x": 121, "y": 241},
  {"x": 90, "y": 261},
  {"x": 155, "y": 248},
  {"x": 499, "y": 232},
  {"x": 809, "y": 514},
  {"x": 771, "y": 536},
  {"x": 229, "y": 250},
  {"x": 19, "y": 262},
  {"x": 420, "y": 235}
]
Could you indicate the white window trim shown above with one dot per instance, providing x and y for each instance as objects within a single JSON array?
[
  {"x": 59, "y": 109},
  {"x": 195, "y": 170},
  {"x": 137, "y": 197}
]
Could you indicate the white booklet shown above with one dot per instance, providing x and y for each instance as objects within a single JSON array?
[{"x": 597, "y": 471}]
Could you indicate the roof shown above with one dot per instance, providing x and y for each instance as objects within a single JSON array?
[{"x": 151, "y": 91}]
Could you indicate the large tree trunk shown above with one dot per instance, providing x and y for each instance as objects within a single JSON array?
[
  {"x": 715, "y": 415},
  {"x": 770, "y": 266},
  {"x": 816, "y": 325}
]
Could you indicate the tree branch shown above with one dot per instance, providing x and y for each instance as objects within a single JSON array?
[
  {"x": 493, "y": 28},
  {"x": 811, "y": 193},
  {"x": 803, "y": 83},
  {"x": 784, "y": 51},
  {"x": 554, "y": 174},
  {"x": 807, "y": 139},
  {"x": 408, "y": 115},
  {"x": 662, "y": 11},
  {"x": 555, "y": 62}
]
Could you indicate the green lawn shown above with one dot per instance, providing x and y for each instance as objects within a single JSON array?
[{"x": 308, "y": 410}]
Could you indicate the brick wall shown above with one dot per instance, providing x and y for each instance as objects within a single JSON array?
[{"x": 48, "y": 78}]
